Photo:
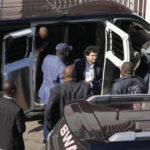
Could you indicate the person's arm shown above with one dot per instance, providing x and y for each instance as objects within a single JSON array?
[
  {"x": 41, "y": 45},
  {"x": 44, "y": 45},
  {"x": 87, "y": 90},
  {"x": 20, "y": 122},
  {"x": 98, "y": 71},
  {"x": 60, "y": 74},
  {"x": 60, "y": 78},
  {"x": 52, "y": 110},
  {"x": 144, "y": 86},
  {"x": 115, "y": 89},
  {"x": 37, "y": 47},
  {"x": 44, "y": 67}
]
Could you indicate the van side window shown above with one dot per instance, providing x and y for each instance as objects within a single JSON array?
[
  {"x": 117, "y": 46},
  {"x": 17, "y": 49}
]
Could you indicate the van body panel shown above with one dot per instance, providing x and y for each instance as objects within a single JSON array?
[
  {"x": 22, "y": 9},
  {"x": 20, "y": 66}
]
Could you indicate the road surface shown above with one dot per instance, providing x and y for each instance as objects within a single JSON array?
[{"x": 33, "y": 136}]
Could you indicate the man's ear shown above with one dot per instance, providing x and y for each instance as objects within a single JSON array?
[{"x": 121, "y": 71}]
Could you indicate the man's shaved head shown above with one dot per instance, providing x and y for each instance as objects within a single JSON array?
[
  {"x": 43, "y": 32},
  {"x": 127, "y": 68},
  {"x": 69, "y": 72},
  {"x": 8, "y": 87}
]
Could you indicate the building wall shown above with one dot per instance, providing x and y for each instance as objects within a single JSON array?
[
  {"x": 147, "y": 17},
  {"x": 140, "y": 7}
]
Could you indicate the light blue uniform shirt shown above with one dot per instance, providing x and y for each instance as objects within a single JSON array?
[{"x": 52, "y": 68}]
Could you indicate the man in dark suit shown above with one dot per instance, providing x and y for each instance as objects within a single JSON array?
[
  {"x": 61, "y": 94},
  {"x": 42, "y": 41},
  {"x": 12, "y": 120},
  {"x": 89, "y": 69}
]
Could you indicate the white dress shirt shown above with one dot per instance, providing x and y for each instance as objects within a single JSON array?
[
  {"x": 89, "y": 73},
  {"x": 10, "y": 98}
]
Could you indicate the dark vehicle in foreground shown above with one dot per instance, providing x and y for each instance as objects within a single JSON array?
[
  {"x": 104, "y": 123},
  {"x": 78, "y": 23}
]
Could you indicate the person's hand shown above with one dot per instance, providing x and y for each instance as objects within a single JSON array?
[
  {"x": 37, "y": 52},
  {"x": 136, "y": 106},
  {"x": 89, "y": 82}
]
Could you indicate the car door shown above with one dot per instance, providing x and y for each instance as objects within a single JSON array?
[
  {"x": 18, "y": 65},
  {"x": 138, "y": 139},
  {"x": 116, "y": 52}
]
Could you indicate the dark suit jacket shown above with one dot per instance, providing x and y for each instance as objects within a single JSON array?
[
  {"x": 41, "y": 43},
  {"x": 60, "y": 95},
  {"x": 80, "y": 66},
  {"x": 12, "y": 125}
]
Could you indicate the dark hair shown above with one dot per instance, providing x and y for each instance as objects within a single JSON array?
[
  {"x": 8, "y": 86},
  {"x": 90, "y": 49},
  {"x": 128, "y": 67},
  {"x": 70, "y": 72}
]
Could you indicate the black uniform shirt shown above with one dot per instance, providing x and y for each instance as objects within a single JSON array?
[
  {"x": 129, "y": 85},
  {"x": 41, "y": 44}
]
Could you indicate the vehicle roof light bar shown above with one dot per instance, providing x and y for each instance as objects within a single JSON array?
[{"x": 128, "y": 136}]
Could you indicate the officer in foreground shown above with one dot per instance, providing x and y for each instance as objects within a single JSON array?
[
  {"x": 128, "y": 83},
  {"x": 61, "y": 94},
  {"x": 12, "y": 120}
]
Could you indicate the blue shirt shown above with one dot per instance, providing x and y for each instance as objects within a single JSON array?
[{"x": 52, "y": 68}]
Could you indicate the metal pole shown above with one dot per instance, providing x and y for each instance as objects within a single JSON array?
[
  {"x": 133, "y": 5},
  {"x": 143, "y": 8},
  {"x": 147, "y": 14},
  {"x": 128, "y": 4},
  {"x": 138, "y": 7},
  {"x": 123, "y": 2}
]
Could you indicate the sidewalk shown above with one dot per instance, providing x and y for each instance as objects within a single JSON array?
[{"x": 33, "y": 137}]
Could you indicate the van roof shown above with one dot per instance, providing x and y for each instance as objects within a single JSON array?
[{"x": 30, "y": 9}]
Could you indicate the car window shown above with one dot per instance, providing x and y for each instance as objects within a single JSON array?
[
  {"x": 17, "y": 49},
  {"x": 114, "y": 117}
]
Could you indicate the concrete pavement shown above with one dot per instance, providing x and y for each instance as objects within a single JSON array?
[{"x": 33, "y": 136}]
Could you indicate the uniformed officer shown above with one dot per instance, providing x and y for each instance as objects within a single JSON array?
[
  {"x": 52, "y": 68},
  {"x": 129, "y": 83}
]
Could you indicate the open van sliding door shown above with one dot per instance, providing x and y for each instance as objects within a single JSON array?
[
  {"x": 18, "y": 63},
  {"x": 116, "y": 52}
]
